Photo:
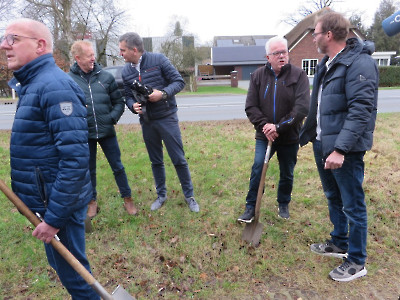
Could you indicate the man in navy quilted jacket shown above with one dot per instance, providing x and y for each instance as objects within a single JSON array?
[
  {"x": 49, "y": 152},
  {"x": 157, "y": 111}
]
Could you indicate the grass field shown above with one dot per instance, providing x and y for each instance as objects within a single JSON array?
[{"x": 176, "y": 254}]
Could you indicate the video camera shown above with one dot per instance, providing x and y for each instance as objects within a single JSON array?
[{"x": 142, "y": 91}]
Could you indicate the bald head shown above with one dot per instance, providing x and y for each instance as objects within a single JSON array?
[
  {"x": 34, "y": 29},
  {"x": 24, "y": 41}
]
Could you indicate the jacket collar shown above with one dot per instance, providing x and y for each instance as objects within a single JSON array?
[{"x": 31, "y": 69}]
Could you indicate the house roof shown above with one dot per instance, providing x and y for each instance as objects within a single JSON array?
[
  {"x": 303, "y": 27},
  {"x": 235, "y": 55},
  {"x": 307, "y": 24}
]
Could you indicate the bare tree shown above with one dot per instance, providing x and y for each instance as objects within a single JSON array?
[
  {"x": 310, "y": 7},
  {"x": 72, "y": 20}
]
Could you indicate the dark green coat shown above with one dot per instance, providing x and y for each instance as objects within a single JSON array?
[{"x": 104, "y": 101}]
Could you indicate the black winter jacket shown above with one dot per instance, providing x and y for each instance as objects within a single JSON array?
[
  {"x": 282, "y": 100},
  {"x": 104, "y": 101},
  {"x": 157, "y": 72},
  {"x": 349, "y": 101}
]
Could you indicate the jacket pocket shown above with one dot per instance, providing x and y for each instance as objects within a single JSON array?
[{"x": 41, "y": 186}]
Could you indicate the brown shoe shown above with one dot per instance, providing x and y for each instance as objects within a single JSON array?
[
  {"x": 129, "y": 206},
  {"x": 93, "y": 209}
]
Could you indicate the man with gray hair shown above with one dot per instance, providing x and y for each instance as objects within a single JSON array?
[
  {"x": 157, "y": 111},
  {"x": 49, "y": 152},
  {"x": 277, "y": 102}
]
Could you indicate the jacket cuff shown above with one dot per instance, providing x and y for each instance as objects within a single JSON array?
[{"x": 340, "y": 151}]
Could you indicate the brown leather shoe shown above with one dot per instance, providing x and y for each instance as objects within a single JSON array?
[
  {"x": 129, "y": 206},
  {"x": 93, "y": 209}
]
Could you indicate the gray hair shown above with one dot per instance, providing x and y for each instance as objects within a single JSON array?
[
  {"x": 132, "y": 40},
  {"x": 274, "y": 40}
]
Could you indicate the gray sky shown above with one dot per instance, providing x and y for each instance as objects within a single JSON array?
[{"x": 208, "y": 18}]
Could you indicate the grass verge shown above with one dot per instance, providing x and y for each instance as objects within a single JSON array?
[{"x": 173, "y": 253}]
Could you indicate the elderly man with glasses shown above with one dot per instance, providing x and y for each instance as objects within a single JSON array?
[
  {"x": 49, "y": 153},
  {"x": 276, "y": 104}
]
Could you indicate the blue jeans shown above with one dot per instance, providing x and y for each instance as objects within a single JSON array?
[
  {"x": 166, "y": 130},
  {"x": 73, "y": 238},
  {"x": 287, "y": 157},
  {"x": 110, "y": 147},
  {"x": 346, "y": 203}
]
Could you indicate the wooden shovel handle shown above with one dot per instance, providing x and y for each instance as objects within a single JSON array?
[
  {"x": 262, "y": 182},
  {"x": 64, "y": 252}
]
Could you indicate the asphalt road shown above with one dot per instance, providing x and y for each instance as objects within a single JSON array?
[{"x": 213, "y": 107}]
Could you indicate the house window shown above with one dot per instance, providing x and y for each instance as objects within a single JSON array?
[
  {"x": 382, "y": 61},
  {"x": 309, "y": 66}
]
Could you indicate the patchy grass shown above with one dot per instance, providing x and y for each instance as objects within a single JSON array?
[{"x": 173, "y": 253}]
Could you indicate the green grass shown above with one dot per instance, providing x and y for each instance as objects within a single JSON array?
[
  {"x": 215, "y": 90},
  {"x": 173, "y": 253}
]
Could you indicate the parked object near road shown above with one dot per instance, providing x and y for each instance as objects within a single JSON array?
[{"x": 116, "y": 72}]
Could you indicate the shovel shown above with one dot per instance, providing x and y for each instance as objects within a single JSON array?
[
  {"x": 252, "y": 231},
  {"x": 118, "y": 294}
]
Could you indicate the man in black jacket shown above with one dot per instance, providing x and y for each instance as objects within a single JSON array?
[
  {"x": 340, "y": 125},
  {"x": 105, "y": 106},
  {"x": 160, "y": 120},
  {"x": 276, "y": 103}
]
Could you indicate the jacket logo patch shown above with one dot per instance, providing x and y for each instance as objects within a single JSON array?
[
  {"x": 66, "y": 108},
  {"x": 362, "y": 78}
]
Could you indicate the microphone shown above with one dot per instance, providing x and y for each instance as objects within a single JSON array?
[{"x": 391, "y": 25}]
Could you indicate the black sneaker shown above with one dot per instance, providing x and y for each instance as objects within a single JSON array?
[
  {"x": 328, "y": 249},
  {"x": 348, "y": 271},
  {"x": 284, "y": 211},
  {"x": 247, "y": 216}
]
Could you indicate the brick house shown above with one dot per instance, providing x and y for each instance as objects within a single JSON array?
[
  {"x": 246, "y": 53},
  {"x": 303, "y": 52}
]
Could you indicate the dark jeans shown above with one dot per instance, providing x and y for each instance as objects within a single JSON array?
[
  {"x": 347, "y": 208},
  {"x": 73, "y": 237},
  {"x": 166, "y": 130},
  {"x": 287, "y": 157},
  {"x": 110, "y": 147}
]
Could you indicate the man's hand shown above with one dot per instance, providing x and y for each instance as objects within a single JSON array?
[
  {"x": 137, "y": 107},
  {"x": 269, "y": 130},
  {"x": 155, "y": 96},
  {"x": 45, "y": 232},
  {"x": 334, "y": 161}
]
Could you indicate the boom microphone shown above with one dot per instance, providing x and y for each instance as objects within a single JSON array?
[{"x": 391, "y": 25}]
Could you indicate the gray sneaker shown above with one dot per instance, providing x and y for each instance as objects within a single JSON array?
[
  {"x": 158, "y": 203},
  {"x": 348, "y": 271},
  {"x": 193, "y": 206},
  {"x": 328, "y": 249},
  {"x": 283, "y": 211}
]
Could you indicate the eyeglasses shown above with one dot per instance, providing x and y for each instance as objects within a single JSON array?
[
  {"x": 279, "y": 53},
  {"x": 10, "y": 38},
  {"x": 314, "y": 35}
]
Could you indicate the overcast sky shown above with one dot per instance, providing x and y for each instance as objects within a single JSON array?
[{"x": 208, "y": 18}]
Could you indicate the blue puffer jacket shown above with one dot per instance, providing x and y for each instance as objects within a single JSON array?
[
  {"x": 48, "y": 148},
  {"x": 157, "y": 72},
  {"x": 348, "y": 105}
]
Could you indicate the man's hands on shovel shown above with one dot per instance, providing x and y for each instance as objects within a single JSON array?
[{"x": 45, "y": 232}]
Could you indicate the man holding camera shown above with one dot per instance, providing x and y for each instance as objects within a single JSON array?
[{"x": 155, "y": 73}]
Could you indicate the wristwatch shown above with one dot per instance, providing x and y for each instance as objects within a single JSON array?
[{"x": 164, "y": 95}]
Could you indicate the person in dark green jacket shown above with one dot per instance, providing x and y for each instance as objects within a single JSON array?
[{"x": 105, "y": 105}]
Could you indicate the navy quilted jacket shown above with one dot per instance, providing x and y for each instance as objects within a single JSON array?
[
  {"x": 157, "y": 72},
  {"x": 349, "y": 101},
  {"x": 48, "y": 149}
]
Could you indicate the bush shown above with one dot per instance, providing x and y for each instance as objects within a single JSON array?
[{"x": 389, "y": 76}]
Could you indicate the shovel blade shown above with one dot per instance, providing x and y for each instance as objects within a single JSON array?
[
  {"x": 252, "y": 233},
  {"x": 120, "y": 294}
]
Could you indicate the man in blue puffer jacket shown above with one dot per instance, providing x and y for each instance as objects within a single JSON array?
[
  {"x": 49, "y": 147},
  {"x": 160, "y": 122},
  {"x": 340, "y": 124}
]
